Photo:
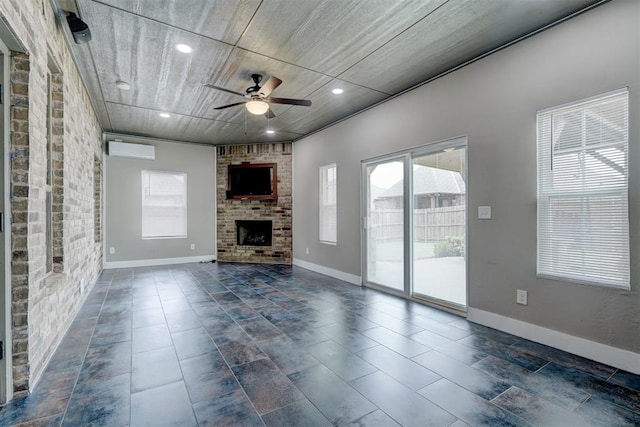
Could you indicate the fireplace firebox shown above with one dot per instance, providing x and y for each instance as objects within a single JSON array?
[{"x": 254, "y": 232}]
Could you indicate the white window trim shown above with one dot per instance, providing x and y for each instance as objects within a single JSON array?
[
  {"x": 186, "y": 205},
  {"x": 616, "y": 283},
  {"x": 321, "y": 205}
]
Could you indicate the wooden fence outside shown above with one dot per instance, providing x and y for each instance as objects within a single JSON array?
[{"x": 429, "y": 225}]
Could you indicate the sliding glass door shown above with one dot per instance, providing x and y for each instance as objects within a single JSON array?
[
  {"x": 385, "y": 234},
  {"x": 438, "y": 231},
  {"x": 414, "y": 220}
]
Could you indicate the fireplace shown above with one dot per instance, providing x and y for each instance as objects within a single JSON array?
[{"x": 254, "y": 232}]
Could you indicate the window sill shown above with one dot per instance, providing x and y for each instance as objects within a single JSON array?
[{"x": 585, "y": 282}]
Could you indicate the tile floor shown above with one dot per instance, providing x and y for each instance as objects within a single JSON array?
[{"x": 250, "y": 345}]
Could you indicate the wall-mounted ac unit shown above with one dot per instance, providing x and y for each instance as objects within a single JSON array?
[{"x": 133, "y": 151}]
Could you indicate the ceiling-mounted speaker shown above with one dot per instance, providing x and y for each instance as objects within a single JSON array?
[{"x": 79, "y": 29}]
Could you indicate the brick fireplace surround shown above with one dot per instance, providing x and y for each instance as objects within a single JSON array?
[{"x": 279, "y": 211}]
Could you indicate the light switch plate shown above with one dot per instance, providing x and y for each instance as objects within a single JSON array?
[
  {"x": 521, "y": 297},
  {"x": 484, "y": 212}
]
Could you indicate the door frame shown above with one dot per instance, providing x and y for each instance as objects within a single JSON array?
[{"x": 407, "y": 156}]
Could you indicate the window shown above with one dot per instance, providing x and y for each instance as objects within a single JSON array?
[
  {"x": 164, "y": 204},
  {"x": 583, "y": 215},
  {"x": 49, "y": 182},
  {"x": 97, "y": 200},
  {"x": 328, "y": 204},
  {"x": 54, "y": 169}
]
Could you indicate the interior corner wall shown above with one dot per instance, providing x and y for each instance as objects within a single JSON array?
[
  {"x": 43, "y": 306},
  {"x": 494, "y": 102},
  {"x": 123, "y": 205}
]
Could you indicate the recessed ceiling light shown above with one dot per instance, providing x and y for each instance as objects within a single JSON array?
[
  {"x": 184, "y": 48},
  {"x": 271, "y": 131},
  {"x": 165, "y": 115},
  {"x": 337, "y": 91},
  {"x": 123, "y": 85},
  {"x": 449, "y": 150}
]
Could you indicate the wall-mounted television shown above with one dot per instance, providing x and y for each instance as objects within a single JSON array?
[{"x": 253, "y": 181}]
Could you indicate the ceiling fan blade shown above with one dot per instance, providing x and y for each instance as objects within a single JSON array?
[
  {"x": 290, "y": 101},
  {"x": 229, "y": 105},
  {"x": 224, "y": 90},
  {"x": 270, "y": 86},
  {"x": 269, "y": 114}
]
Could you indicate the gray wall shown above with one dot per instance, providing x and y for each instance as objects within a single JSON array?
[
  {"x": 494, "y": 102},
  {"x": 123, "y": 204}
]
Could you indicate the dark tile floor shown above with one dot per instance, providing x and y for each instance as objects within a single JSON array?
[{"x": 250, "y": 345}]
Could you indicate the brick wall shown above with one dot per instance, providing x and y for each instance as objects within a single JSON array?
[
  {"x": 43, "y": 305},
  {"x": 19, "y": 219},
  {"x": 279, "y": 211}
]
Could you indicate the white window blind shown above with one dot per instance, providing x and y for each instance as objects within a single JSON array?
[
  {"x": 583, "y": 215},
  {"x": 328, "y": 204},
  {"x": 164, "y": 204}
]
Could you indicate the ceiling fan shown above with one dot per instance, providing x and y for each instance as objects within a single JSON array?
[{"x": 259, "y": 100}]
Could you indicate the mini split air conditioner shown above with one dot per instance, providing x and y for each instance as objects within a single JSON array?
[{"x": 133, "y": 151}]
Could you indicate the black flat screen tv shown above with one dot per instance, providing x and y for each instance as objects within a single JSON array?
[{"x": 252, "y": 181}]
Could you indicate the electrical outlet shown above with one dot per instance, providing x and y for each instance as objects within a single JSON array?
[
  {"x": 307, "y": 251},
  {"x": 193, "y": 246},
  {"x": 112, "y": 250},
  {"x": 521, "y": 297}
]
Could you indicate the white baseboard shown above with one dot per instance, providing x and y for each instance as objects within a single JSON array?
[
  {"x": 341, "y": 275},
  {"x": 612, "y": 356},
  {"x": 158, "y": 261}
]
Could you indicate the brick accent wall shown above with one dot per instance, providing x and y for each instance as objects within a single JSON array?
[
  {"x": 279, "y": 211},
  {"x": 43, "y": 305},
  {"x": 19, "y": 185}
]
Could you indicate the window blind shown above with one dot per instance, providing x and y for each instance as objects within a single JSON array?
[
  {"x": 328, "y": 204},
  {"x": 164, "y": 204},
  {"x": 583, "y": 215}
]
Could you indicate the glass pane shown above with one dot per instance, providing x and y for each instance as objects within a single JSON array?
[
  {"x": 49, "y": 233},
  {"x": 439, "y": 207},
  {"x": 328, "y": 204},
  {"x": 385, "y": 224}
]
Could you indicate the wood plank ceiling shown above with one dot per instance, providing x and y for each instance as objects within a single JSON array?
[{"x": 372, "y": 49}]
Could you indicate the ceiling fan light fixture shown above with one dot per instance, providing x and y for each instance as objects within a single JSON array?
[{"x": 257, "y": 107}]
